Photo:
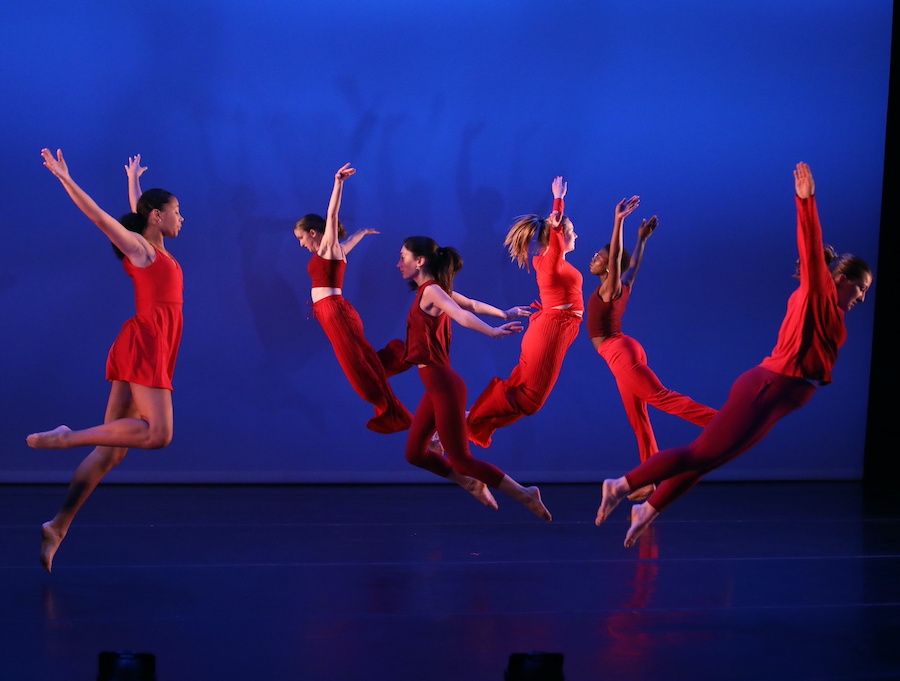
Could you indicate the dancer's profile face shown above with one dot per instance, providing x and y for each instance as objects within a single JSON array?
[
  {"x": 569, "y": 236},
  {"x": 852, "y": 291},
  {"x": 170, "y": 219},
  {"x": 408, "y": 264},
  {"x": 600, "y": 262},
  {"x": 307, "y": 239}
]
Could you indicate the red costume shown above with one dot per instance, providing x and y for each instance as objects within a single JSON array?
[
  {"x": 637, "y": 383},
  {"x": 812, "y": 332},
  {"x": 544, "y": 345},
  {"x": 443, "y": 406},
  {"x": 366, "y": 370},
  {"x": 146, "y": 348}
]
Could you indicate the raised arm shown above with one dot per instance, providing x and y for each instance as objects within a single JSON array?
[
  {"x": 134, "y": 170},
  {"x": 809, "y": 229},
  {"x": 435, "y": 298},
  {"x": 478, "y": 307},
  {"x": 330, "y": 248},
  {"x": 350, "y": 242},
  {"x": 611, "y": 287},
  {"x": 559, "y": 189},
  {"x": 644, "y": 231},
  {"x": 135, "y": 247}
]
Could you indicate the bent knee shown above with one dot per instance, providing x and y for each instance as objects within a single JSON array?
[{"x": 159, "y": 439}]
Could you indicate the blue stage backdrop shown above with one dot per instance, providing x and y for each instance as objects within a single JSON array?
[{"x": 457, "y": 116}]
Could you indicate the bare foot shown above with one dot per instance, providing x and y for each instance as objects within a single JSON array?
[
  {"x": 50, "y": 541},
  {"x": 51, "y": 439},
  {"x": 612, "y": 495},
  {"x": 481, "y": 492},
  {"x": 642, "y": 493},
  {"x": 641, "y": 517},
  {"x": 535, "y": 505}
]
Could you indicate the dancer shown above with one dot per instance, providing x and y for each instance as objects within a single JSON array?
[
  {"x": 366, "y": 370},
  {"x": 812, "y": 332},
  {"x": 637, "y": 383},
  {"x": 141, "y": 361},
  {"x": 430, "y": 270},
  {"x": 551, "y": 330}
]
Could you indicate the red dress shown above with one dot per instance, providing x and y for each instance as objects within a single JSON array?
[{"x": 146, "y": 348}]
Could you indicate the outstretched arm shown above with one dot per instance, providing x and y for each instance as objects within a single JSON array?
[
  {"x": 478, "y": 307},
  {"x": 350, "y": 242},
  {"x": 330, "y": 248},
  {"x": 611, "y": 287},
  {"x": 644, "y": 231},
  {"x": 135, "y": 247},
  {"x": 435, "y": 298},
  {"x": 809, "y": 231},
  {"x": 134, "y": 170},
  {"x": 559, "y": 189}
]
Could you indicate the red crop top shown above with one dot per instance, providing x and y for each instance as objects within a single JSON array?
[
  {"x": 605, "y": 319},
  {"x": 559, "y": 283},
  {"x": 329, "y": 273}
]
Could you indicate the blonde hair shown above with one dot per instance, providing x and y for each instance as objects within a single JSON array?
[{"x": 528, "y": 235}]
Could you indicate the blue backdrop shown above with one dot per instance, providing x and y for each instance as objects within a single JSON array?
[{"x": 457, "y": 116}]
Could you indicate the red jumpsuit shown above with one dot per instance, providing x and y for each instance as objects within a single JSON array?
[
  {"x": 366, "y": 370},
  {"x": 443, "y": 407},
  {"x": 544, "y": 345},
  {"x": 146, "y": 348},
  {"x": 637, "y": 383},
  {"x": 812, "y": 332}
]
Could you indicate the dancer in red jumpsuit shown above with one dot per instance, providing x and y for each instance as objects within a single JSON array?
[
  {"x": 637, "y": 383},
  {"x": 812, "y": 332},
  {"x": 551, "y": 330},
  {"x": 366, "y": 370},
  {"x": 430, "y": 270},
  {"x": 141, "y": 362}
]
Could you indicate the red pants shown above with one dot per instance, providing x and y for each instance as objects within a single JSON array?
[
  {"x": 639, "y": 386},
  {"x": 364, "y": 367},
  {"x": 758, "y": 399},
  {"x": 544, "y": 346},
  {"x": 443, "y": 408}
]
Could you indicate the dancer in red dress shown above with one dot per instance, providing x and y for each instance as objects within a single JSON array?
[
  {"x": 142, "y": 360},
  {"x": 637, "y": 383},
  {"x": 811, "y": 334},
  {"x": 430, "y": 270},
  {"x": 551, "y": 330},
  {"x": 366, "y": 370}
]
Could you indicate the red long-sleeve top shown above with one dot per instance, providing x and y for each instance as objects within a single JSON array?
[
  {"x": 813, "y": 328},
  {"x": 559, "y": 282}
]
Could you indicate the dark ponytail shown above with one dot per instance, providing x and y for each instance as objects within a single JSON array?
[
  {"x": 151, "y": 200},
  {"x": 441, "y": 262}
]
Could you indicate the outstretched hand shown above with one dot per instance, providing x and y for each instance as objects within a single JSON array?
[
  {"x": 134, "y": 169},
  {"x": 518, "y": 311},
  {"x": 57, "y": 165},
  {"x": 803, "y": 181},
  {"x": 626, "y": 207},
  {"x": 559, "y": 187},
  {"x": 345, "y": 172},
  {"x": 507, "y": 329},
  {"x": 647, "y": 228}
]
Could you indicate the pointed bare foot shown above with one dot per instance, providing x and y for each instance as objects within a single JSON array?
[
  {"x": 50, "y": 439},
  {"x": 481, "y": 492},
  {"x": 612, "y": 495},
  {"x": 535, "y": 505},
  {"x": 641, "y": 517},
  {"x": 50, "y": 541},
  {"x": 642, "y": 493}
]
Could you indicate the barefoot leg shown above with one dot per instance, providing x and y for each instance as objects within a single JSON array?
[
  {"x": 641, "y": 517},
  {"x": 613, "y": 492},
  {"x": 529, "y": 497},
  {"x": 642, "y": 493}
]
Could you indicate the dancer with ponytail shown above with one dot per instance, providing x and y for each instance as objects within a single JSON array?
[
  {"x": 141, "y": 362},
  {"x": 430, "y": 270},
  {"x": 366, "y": 370},
  {"x": 551, "y": 330},
  {"x": 637, "y": 383},
  {"x": 812, "y": 332}
]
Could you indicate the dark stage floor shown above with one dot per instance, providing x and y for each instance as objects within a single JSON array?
[{"x": 413, "y": 583}]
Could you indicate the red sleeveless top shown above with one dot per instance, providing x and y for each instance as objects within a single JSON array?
[
  {"x": 605, "y": 319},
  {"x": 427, "y": 337},
  {"x": 329, "y": 273}
]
